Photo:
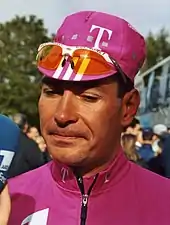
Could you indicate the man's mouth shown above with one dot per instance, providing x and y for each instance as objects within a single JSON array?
[
  {"x": 66, "y": 136},
  {"x": 65, "y": 140},
  {"x": 61, "y": 136}
]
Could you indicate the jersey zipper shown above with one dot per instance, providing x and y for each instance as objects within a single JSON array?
[{"x": 85, "y": 197}]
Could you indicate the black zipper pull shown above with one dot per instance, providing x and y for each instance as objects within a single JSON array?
[
  {"x": 84, "y": 209},
  {"x": 85, "y": 197}
]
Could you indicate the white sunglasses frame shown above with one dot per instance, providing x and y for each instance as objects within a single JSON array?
[{"x": 68, "y": 51}]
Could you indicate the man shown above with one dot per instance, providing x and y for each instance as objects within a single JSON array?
[
  {"x": 157, "y": 164},
  {"x": 134, "y": 127},
  {"x": 146, "y": 151},
  {"x": 29, "y": 156},
  {"x": 166, "y": 155},
  {"x": 159, "y": 130},
  {"x": 87, "y": 99},
  {"x": 33, "y": 133},
  {"x": 162, "y": 139}
]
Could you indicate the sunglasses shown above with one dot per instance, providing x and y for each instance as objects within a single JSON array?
[{"x": 83, "y": 61}]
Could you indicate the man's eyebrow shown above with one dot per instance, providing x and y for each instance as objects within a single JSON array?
[{"x": 81, "y": 86}]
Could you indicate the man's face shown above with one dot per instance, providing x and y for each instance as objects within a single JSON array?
[
  {"x": 137, "y": 128},
  {"x": 80, "y": 121},
  {"x": 33, "y": 133}
]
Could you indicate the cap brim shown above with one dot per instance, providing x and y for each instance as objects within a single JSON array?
[{"x": 73, "y": 76}]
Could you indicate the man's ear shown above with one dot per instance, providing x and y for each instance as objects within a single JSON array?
[{"x": 130, "y": 104}]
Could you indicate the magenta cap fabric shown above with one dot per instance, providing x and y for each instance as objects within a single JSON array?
[{"x": 105, "y": 32}]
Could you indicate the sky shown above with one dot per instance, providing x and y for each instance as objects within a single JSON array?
[{"x": 144, "y": 15}]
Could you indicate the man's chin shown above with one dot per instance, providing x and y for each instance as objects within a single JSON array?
[{"x": 68, "y": 156}]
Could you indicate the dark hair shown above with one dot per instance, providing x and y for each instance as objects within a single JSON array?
[
  {"x": 147, "y": 134},
  {"x": 124, "y": 85},
  {"x": 129, "y": 147},
  {"x": 134, "y": 122}
]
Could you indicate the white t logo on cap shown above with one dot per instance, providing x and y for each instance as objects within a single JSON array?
[{"x": 100, "y": 34}]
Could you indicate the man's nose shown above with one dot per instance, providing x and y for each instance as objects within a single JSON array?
[{"x": 66, "y": 111}]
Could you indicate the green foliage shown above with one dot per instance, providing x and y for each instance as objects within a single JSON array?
[
  {"x": 19, "y": 87},
  {"x": 158, "y": 47}
]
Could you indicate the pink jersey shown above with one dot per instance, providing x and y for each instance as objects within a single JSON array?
[{"x": 124, "y": 194}]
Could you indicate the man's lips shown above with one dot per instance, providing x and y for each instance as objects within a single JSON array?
[
  {"x": 64, "y": 140},
  {"x": 66, "y": 135}
]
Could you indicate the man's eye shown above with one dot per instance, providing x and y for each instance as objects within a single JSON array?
[
  {"x": 90, "y": 98},
  {"x": 48, "y": 92}
]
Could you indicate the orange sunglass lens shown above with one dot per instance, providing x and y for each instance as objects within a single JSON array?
[
  {"x": 90, "y": 63},
  {"x": 49, "y": 57}
]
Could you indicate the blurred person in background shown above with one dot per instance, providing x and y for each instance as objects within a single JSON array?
[
  {"x": 135, "y": 129},
  {"x": 33, "y": 133},
  {"x": 43, "y": 148},
  {"x": 155, "y": 164},
  {"x": 41, "y": 143},
  {"x": 163, "y": 138},
  {"x": 159, "y": 163},
  {"x": 160, "y": 134},
  {"x": 129, "y": 147},
  {"x": 145, "y": 151},
  {"x": 128, "y": 144},
  {"x": 21, "y": 121},
  {"x": 28, "y": 156},
  {"x": 139, "y": 139}
]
